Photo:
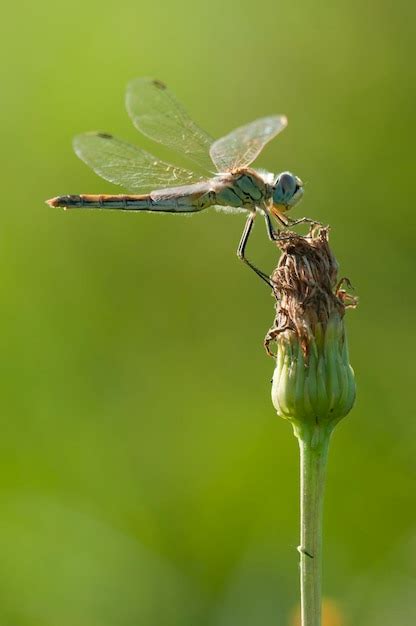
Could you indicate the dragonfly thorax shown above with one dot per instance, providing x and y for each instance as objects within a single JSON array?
[{"x": 243, "y": 188}]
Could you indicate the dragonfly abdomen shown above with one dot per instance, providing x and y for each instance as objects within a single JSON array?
[
  {"x": 185, "y": 200},
  {"x": 88, "y": 201}
]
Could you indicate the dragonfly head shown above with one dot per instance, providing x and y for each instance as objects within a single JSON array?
[{"x": 287, "y": 191}]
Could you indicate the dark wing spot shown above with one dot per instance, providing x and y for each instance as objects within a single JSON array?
[
  {"x": 104, "y": 135},
  {"x": 159, "y": 84}
]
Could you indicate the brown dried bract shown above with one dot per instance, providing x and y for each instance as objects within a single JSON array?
[{"x": 305, "y": 287}]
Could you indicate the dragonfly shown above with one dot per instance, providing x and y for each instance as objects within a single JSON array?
[{"x": 220, "y": 177}]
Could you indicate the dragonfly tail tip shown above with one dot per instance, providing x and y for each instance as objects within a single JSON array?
[{"x": 53, "y": 201}]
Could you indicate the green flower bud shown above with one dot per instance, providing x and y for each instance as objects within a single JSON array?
[{"x": 313, "y": 381}]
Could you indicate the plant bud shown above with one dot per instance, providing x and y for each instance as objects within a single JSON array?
[{"x": 313, "y": 381}]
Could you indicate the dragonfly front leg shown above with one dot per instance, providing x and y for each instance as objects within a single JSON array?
[
  {"x": 242, "y": 247},
  {"x": 303, "y": 220},
  {"x": 273, "y": 235},
  {"x": 287, "y": 222}
]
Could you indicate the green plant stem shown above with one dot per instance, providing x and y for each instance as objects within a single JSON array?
[{"x": 313, "y": 443}]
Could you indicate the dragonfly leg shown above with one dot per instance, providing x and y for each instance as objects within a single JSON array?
[
  {"x": 242, "y": 247},
  {"x": 303, "y": 220},
  {"x": 273, "y": 235},
  {"x": 287, "y": 223}
]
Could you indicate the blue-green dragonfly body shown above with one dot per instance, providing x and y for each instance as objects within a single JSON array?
[{"x": 158, "y": 186}]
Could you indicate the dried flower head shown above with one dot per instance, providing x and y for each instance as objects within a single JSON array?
[{"x": 313, "y": 380}]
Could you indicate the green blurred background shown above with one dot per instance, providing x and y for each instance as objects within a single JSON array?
[{"x": 145, "y": 479}]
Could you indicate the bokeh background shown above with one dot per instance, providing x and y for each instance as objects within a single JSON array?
[{"x": 144, "y": 477}]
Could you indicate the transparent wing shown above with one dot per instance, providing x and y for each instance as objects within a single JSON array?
[
  {"x": 126, "y": 165},
  {"x": 156, "y": 113},
  {"x": 243, "y": 145}
]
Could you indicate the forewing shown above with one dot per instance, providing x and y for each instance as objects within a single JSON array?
[
  {"x": 243, "y": 145},
  {"x": 126, "y": 165},
  {"x": 156, "y": 113}
]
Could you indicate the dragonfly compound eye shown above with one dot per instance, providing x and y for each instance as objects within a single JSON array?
[{"x": 285, "y": 188}]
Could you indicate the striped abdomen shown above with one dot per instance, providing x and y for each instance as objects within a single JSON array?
[
  {"x": 88, "y": 201},
  {"x": 179, "y": 200}
]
